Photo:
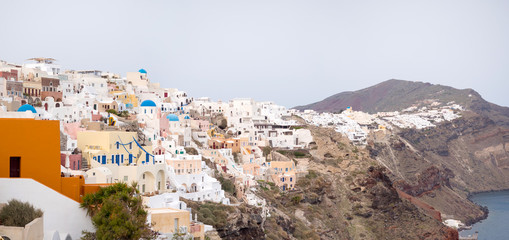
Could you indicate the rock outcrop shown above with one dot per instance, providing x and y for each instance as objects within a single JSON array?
[{"x": 443, "y": 165}]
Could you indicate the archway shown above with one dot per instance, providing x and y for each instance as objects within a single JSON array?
[
  {"x": 185, "y": 187},
  {"x": 194, "y": 188}
]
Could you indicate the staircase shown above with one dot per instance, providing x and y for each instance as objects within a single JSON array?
[{"x": 84, "y": 164}]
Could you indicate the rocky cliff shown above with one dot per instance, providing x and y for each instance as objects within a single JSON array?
[{"x": 442, "y": 165}]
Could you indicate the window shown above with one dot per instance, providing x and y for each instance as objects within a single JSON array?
[
  {"x": 176, "y": 224},
  {"x": 144, "y": 177},
  {"x": 126, "y": 178}
]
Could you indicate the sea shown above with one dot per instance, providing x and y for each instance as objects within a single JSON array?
[{"x": 496, "y": 226}]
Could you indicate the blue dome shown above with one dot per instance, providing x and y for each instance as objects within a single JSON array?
[
  {"x": 142, "y": 71},
  {"x": 187, "y": 117},
  {"x": 26, "y": 107},
  {"x": 148, "y": 103},
  {"x": 172, "y": 118}
]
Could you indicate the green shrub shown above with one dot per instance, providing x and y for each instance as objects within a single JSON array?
[
  {"x": 18, "y": 214},
  {"x": 227, "y": 185},
  {"x": 266, "y": 151},
  {"x": 283, "y": 152},
  {"x": 124, "y": 113},
  {"x": 214, "y": 214},
  {"x": 299, "y": 154},
  {"x": 355, "y": 150},
  {"x": 296, "y": 200},
  {"x": 117, "y": 212},
  {"x": 311, "y": 174},
  {"x": 112, "y": 111}
]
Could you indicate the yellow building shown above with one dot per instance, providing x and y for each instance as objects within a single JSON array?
[
  {"x": 282, "y": 166},
  {"x": 171, "y": 220},
  {"x": 113, "y": 147},
  {"x": 125, "y": 98},
  {"x": 283, "y": 174},
  {"x": 215, "y": 156}
]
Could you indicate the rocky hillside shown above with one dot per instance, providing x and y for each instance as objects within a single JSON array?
[
  {"x": 439, "y": 166},
  {"x": 442, "y": 165},
  {"x": 345, "y": 195},
  {"x": 396, "y": 95}
]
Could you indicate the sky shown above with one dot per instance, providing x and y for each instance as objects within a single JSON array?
[{"x": 289, "y": 52}]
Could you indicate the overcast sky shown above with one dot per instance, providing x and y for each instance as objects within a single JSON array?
[{"x": 290, "y": 52}]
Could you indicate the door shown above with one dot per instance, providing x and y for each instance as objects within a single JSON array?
[{"x": 15, "y": 167}]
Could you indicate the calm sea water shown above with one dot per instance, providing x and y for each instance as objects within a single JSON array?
[{"x": 496, "y": 226}]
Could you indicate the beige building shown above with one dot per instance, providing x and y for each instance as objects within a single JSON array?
[
  {"x": 103, "y": 106},
  {"x": 138, "y": 79},
  {"x": 32, "y": 88},
  {"x": 215, "y": 156},
  {"x": 171, "y": 220},
  {"x": 283, "y": 174}
]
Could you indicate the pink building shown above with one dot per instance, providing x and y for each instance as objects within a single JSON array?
[
  {"x": 188, "y": 166},
  {"x": 251, "y": 168},
  {"x": 74, "y": 161}
]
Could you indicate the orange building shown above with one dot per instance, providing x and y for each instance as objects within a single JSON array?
[
  {"x": 30, "y": 148},
  {"x": 221, "y": 142}
]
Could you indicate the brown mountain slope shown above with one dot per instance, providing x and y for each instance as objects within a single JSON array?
[{"x": 396, "y": 95}]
